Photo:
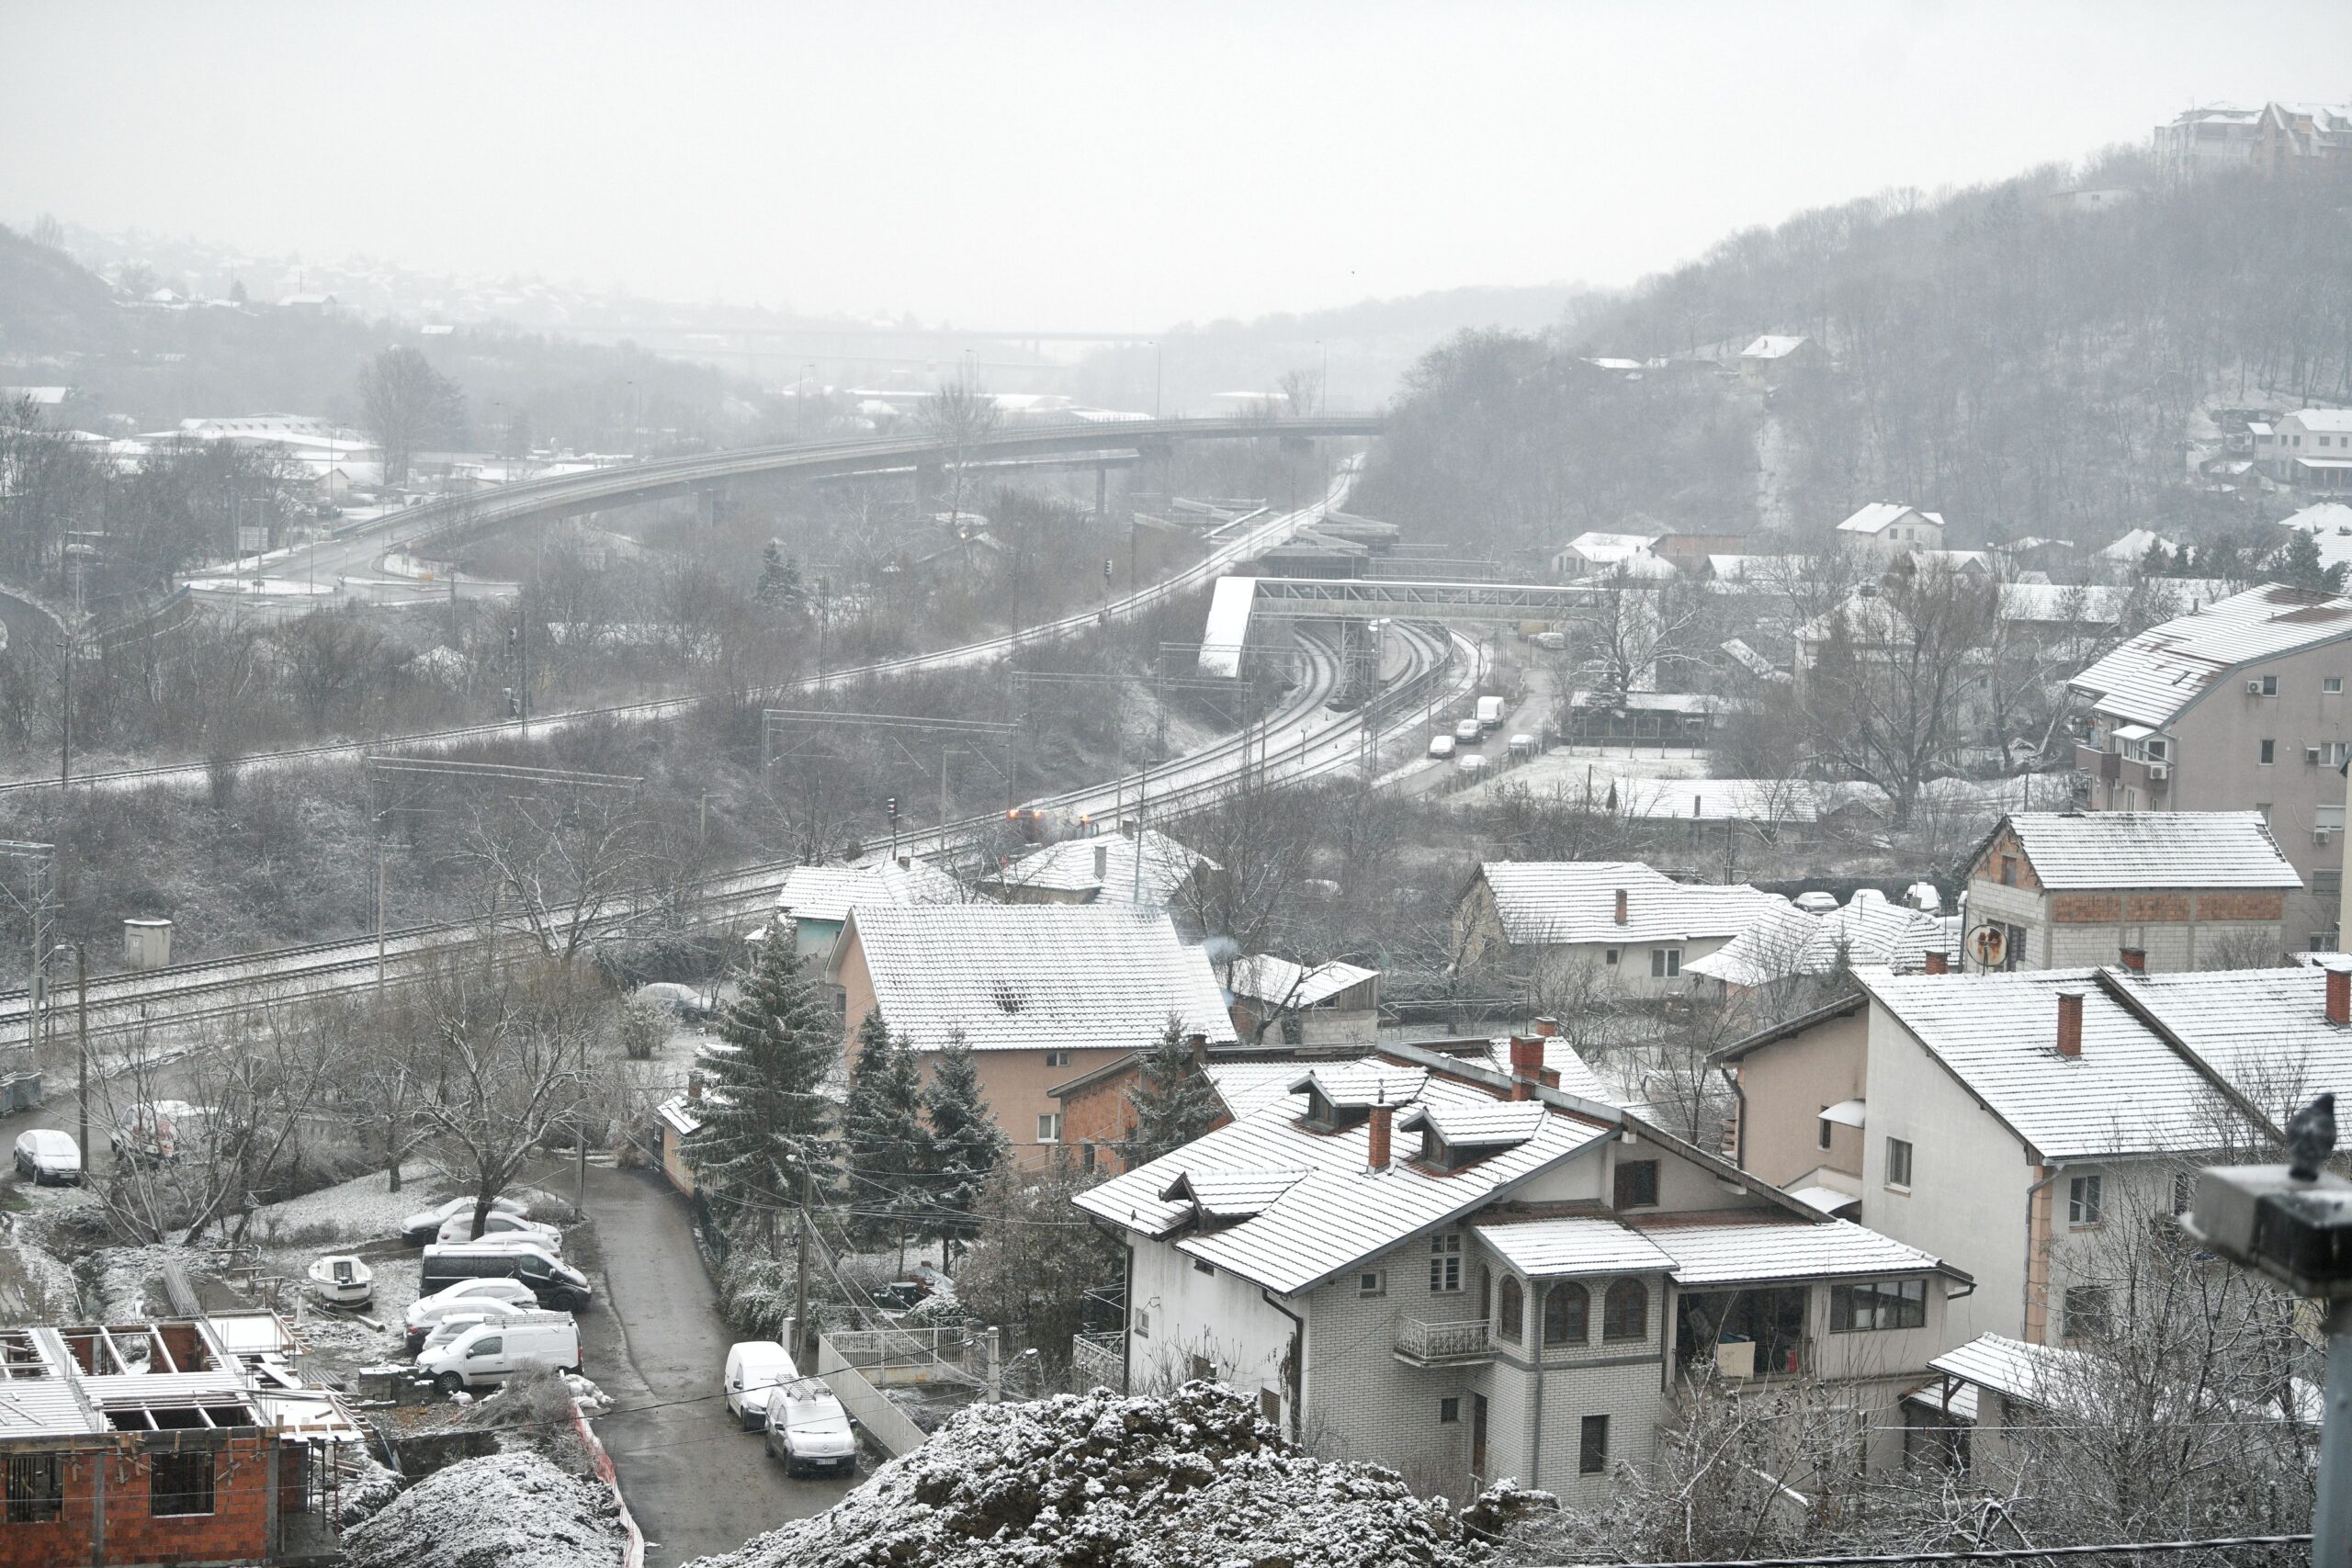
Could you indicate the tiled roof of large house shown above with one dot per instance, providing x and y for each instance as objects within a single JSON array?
[
  {"x": 1342, "y": 1210},
  {"x": 2262, "y": 1031},
  {"x": 2152, "y": 678},
  {"x": 2073, "y": 851},
  {"x": 830, "y": 892},
  {"x": 1010, "y": 977},
  {"x": 1866, "y": 929},
  {"x": 2128, "y": 1091},
  {"x": 1546, "y": 902}
]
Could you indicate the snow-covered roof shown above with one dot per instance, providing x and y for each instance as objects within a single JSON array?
[
  {"x": 830, "y": 892},
  {"x": 2133, "y": 547},
  {"x": 2129, "y": 1092},
  {"x": 675, "y": 1114},
  {"x": 2013, "y": 1369},
  {"x": 1032, "y": 976},
  {"x": 1575, "y": 901},
  {"x": 2264, "y": 1031},
  {"x": 1071, "y": 866},
  {"x": 1750, "y": 1246},
  {"x": 1341, "y": 1210},
  {"x": 1563, "y": 1248},
  {"x": 1866, "y": 929},
  {"x": 1610, "y": 548},
  {"x": 1878, "y": 517},
  {"x": 2337, "y": 421},
  {"x": 2321, "y": 518},
  {"x": 2073, "y": 851},
  {"x": 1770, "y": 347},
  {"x": 2152, "y": 677},
  {"x": 1768, "y": 801},
  {"x": 1246, "y": 1088},
  {"x": 1262, "y": 976}
]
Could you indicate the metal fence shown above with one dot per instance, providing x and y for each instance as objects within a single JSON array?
[
  {"x": 884, "y": 1422},
  {"x": 1098, "y": 1361}
]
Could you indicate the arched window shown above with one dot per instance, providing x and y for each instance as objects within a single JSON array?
[
  {"x": 1566, "y": 1305},
  {"x": 1509, "y": 1327},
  {"x": 1625, "y": 1311}
]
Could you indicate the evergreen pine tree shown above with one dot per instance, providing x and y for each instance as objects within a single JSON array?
[
  {"x": 779, "y": 586},
  {"x": 882, "y": 1131},
  {"x": 765, "y": 1126},
  {"x": 966, "y": 1145},
  {"x": 2155, "y": 563},
  {"x": 2300, "y": 566},
  {"x": 1172, "y": 1098}
]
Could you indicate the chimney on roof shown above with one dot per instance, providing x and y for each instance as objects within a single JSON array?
[
  {"x": 1936, "y": 963},
  {"x": 1102, "y": 861},
  {"x": 1199, "y": 1046},
  {"x": 694, "y": 1085},
  {"x": 1547, "y": 1029},
  {"x": 2340, "y": 991},
  {"x": 2070, "y": 1023},
  {"x": 2136, "y": 960},
  {"x": 1378, "y": 1156},
  {"x": 1620, "y": 905},
  {"x": 1526, "y": 1065}
]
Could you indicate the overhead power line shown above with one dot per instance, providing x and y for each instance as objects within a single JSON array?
[{"x": 1986, "y": 1554}]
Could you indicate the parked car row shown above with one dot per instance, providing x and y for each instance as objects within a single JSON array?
[
  {"x": 488, "y": 1308},
  {"x": 805, "y": 1423}
]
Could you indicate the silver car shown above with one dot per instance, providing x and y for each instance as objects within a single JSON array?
[{"x": 47, "y": 1156}]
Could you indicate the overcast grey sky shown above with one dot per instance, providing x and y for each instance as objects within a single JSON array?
[{"x": 1086, "y": 165}]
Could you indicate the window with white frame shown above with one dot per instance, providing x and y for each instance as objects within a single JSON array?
[
  {"x": 1049, "y": 1126},
  {"x": 1666, "y": 963},
  {"x": 2085, "y": 1199},
  {"x": 1058, "y": 1058},
  {"x": 1899, "y": 1162},
  {"x": 1868, "y": 1304},
  {"x": 1371, "y": 1282},
  {"x": 1445, "y": 1263},
  {"x": 2331, "y": 686}
]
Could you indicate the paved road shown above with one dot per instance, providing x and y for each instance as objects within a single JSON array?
[{"x": 696, "y": 1483}]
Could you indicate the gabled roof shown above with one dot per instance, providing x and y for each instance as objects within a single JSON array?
[
  {"x": 1232, "y": 1194},
  {"x": 2031, "y": 1374},
  {"x": 830, "y": 892},
  {"x": 2133, "y": 547},
  {"x": 2264, "y": 1031},
  {"x": 2152, "y": 678},
  {"x": 2083, "y": 851},
  {"x": 2129, "y": 1092},
  {"x": 1770, "y": 347},
  {"x": 1747, "y": 1246},
  {"x": 1033, "y": 976},
  {"x": 1866, "y": 929},
  {"x": 1878, "y": 517},
  {"x": 2336, "y": 419},
  {"x": 1546, "y": 902},
  {"x": 1262, "y": 976},
  {"x": 1612, "y": 547},
  {"x": 1068, "y": 866},
  {"x": 1483, "y": 1124}
]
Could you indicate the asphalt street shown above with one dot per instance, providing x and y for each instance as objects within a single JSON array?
[{"x": 656, "y": 1344}]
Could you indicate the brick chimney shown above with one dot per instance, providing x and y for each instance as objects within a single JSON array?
[
  {"x": 2070, "y": 1024},
  {"x": 1526, "y": 1065},
  {"x": 1547, "y": 1029},
  {"x": 1937, "y": 963},
  {"x": 694, "y": 1085},
  {"x": 2135, "y": 959},
  {"x": 2340, "y": 991},
  {"x": 1198, "y": 1045},
  {"x": 1620, "y": 905},
  {"x": 1102, "y": 861},
  {"x": 1382, "y": 1116}
]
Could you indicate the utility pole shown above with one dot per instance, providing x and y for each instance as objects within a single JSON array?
[
  {"x": 82, "y": 1045},
  {"x": 800, "y": 1286},
  {"x": 65, "y": 714},
  {"x": 523, "y": 640}
]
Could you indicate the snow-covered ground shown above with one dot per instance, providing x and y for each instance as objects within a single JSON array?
[{"x": 508, "y": 1510}]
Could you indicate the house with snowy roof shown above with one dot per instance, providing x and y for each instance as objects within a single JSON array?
[
  {"x": 818, "y": 898},
  {"x": 1466, "y": 1273},
  {"x": 2311, "y": 449},
  {"x": 1632, "y": 927},
  {"x": 1770, "y": 359},
  {"x": 1868, "y": 930},
  {"x": 1148, "y": 869},
  {"x": 2239, "y": 705},
  {"x": 1038, "y": 992},
  {"x": 1601, "y": 555},
  {"x": 1890, "y": 528},
  {"x": 2020, "y": 1124},
  {"x": 2147, "y": 889},
  {"x": 1304, "y": 1004}
]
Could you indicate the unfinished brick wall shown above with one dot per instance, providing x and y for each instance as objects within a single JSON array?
[{"x": 236, "y": 1530}]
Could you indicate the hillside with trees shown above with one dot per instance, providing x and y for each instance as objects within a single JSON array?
[{"x": 2020, "y": 361}]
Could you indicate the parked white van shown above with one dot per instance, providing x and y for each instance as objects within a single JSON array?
[
  {"x": 809, "y": 1429},
  {"x": 500, "y": 1226},
  {"x": 756, "y": 1369},
  {"x": 493, "y": 1351},
  {"x": 458, "y": 1323}
]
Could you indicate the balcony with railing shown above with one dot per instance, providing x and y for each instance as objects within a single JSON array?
[
  {"x": 1423, "y": 1344},
  {"x": 1100, "y": 1360}
]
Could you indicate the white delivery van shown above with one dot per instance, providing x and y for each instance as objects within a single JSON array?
[
  {"x": 809, "y": 1429},
  {"x": 501, "y": 1225},
  {"x": 1490, "y": 713},
  {"x": 755, "y": 1368},
  {"x": 493, "y": 1351}
]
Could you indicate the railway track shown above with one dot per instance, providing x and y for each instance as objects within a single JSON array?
[{"x": 192, "y": 996}]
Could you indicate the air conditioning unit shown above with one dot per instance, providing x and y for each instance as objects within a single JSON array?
[
  {"x": 2253, "y": 688},
  {"x": 2159, "y": 772}
]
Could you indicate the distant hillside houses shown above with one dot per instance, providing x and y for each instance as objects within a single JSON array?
[{"x": 2311, "y": 449}]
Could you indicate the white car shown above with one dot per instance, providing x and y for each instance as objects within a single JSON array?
[
  {"x": 46, "y": 1155},
  {"x": 1441, "y": 746},
  {"x": 495, "y": 1349},
  {"x": 425, "y": 1223},
  {"x": 458, "y": 1322},
  {"x": 1465, "y": 733},
  {"x": 756, "y": 1369},
  {"x": 501, "y": 1227},
  {"x": 1474, "y": 767},
  {"x": 809, "y": 1429},
  {"x": 425, "y": 1312}
]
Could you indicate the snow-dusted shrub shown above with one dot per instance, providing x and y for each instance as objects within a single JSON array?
[{"x": 1191, "y": 1480}]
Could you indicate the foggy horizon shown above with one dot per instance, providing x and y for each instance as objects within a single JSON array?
[{"x": 1058, "y": 170}]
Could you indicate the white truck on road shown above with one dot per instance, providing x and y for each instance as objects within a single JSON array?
[{"x": 1490, "y": 713}]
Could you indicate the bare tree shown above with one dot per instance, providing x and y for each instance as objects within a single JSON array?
[
  {"x": 406, "y": 402},
  {"x": 1302, "y": 390},
  {"x": 960, "y": 416},
  {"x": 560, "y": 863}
]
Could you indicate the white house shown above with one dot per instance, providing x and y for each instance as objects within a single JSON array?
[
  {"x": 1767, "y": 361},
  {"x": 1891, "y": 528},
  {"x": 1866, "y": 931},
  {"x": 2311, "y": 448},
  {"x": 1599, "y": 555},
  {"x": 1150, "y": 869},
  {"x": 1467, "y": 1274},
  {"x": 1633, "y": 928}
]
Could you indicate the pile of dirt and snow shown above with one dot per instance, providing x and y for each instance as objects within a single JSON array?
[
  {"x": 509, "y": 1511},
  {"x": 1192, "y": 1480}
]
